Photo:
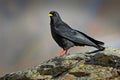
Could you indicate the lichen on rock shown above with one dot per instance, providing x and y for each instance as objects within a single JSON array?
[{"x": 103, "y": 65}]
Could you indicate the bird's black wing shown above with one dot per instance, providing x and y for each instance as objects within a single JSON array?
[{"x": 74, "y": 36}]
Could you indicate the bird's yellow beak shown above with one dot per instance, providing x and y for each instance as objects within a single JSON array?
[{"x": 50, "y": 15}]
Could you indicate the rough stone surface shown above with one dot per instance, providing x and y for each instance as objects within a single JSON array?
[{"x": 103, "y": 65}]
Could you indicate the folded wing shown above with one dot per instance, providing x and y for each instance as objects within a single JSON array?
[{"x": 77, "y": 37}]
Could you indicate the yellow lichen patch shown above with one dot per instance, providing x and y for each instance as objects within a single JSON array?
[
  {"x": 116, "y": 79},
  {"x": 81, "y": 65},
  {"x": 40, "y": 77},
  {"x": 73, "y": 70},
  {"x": 110, "y": 69},
  {"x": 49, "y": 77},
  {"x": 33, "y": 75},
  {"x": 103, "y": 70}
]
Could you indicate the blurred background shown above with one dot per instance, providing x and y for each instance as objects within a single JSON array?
[{"x": 25, "y": 37}]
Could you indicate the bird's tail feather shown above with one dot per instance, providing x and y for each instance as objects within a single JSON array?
[
  {"x": 93, "y": 40},
  {"x": 101, "y": 48},
  {"x": 99, "y": 42}
]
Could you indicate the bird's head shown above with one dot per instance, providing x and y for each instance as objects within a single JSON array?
[{"x": 54, "y": 16}]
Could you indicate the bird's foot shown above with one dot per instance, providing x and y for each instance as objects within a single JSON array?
[{"x": 63, "y": 53}]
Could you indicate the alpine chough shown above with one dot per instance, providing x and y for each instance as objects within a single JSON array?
[{"x": 66, "y": 37}]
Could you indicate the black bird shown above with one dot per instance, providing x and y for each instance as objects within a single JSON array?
[{"x": 66, "y": 37}]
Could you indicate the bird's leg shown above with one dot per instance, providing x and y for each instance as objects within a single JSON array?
[{"x": 64, "y": 52}]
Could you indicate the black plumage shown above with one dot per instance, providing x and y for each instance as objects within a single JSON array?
[{"x": 66, "y": 37}]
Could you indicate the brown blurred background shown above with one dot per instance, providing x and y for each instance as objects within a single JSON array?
[{"x": 25, "y": 38}]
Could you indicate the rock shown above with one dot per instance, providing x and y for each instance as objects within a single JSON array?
[{"x": 102, "y": 65}]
